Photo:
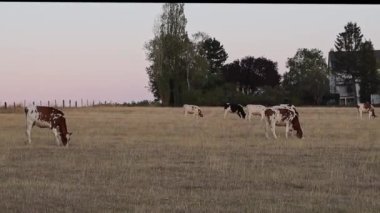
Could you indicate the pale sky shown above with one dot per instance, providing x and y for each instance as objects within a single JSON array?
[{"x": 95, "y": 51}]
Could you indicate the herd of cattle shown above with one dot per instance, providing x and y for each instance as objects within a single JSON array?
[{"x": 280, "y": 115}]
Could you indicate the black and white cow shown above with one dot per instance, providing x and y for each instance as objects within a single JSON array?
[
  {"x": 234, "y": 108},
  {"x": 47, "y": 117}
]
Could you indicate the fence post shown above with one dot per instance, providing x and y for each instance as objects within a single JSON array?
[
  {"x": 14, "y": 105},
  {"x": 34, "y": 103},
  {"x": 40, "y": 103},
  {"x": 24, "y": 103},
  {"x": 93, "y": 103},
  {"x": 87, "y": 103},
  {"x": 70, "y": 103},
  {"x": 5, "y": 105},
  {"x": 63, "y": 103},
  {"x": 81, "y": 102},
  {"x": 48, "y": 103},
  {"x": 55, "y": 102},
  {"x": 76, "y": 104}
]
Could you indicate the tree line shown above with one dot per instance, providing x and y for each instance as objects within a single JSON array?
[{"x": 194, "y": 70}]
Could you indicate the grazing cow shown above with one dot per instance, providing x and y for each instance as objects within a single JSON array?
[
  {"x": 234, "y": 108},
  {"x": 47, "y": 117},
  {"x": 192, "y": 109},
  {"x": 282, "y": 116},
  {"x": 366, "y": 108},
  {"x": 256, "y": 110}
]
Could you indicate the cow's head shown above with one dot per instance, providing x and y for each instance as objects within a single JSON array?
[
  {"x": 372, "y": 111},
  {"x": 297, "y": 126},
  {"x": 66, "y": 138},
  {"x": 293, "y": 117},
  {"x": 60, "y": 125},
  {"x": 241, "y": 111},
  {"x": 200, "y": 113},
  {"x": 226, "y": 105}
]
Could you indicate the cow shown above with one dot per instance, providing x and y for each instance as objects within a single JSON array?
[
  {"x": 282, "y": 116},
  {"x": 256, "y": 110},
  {"x": 366, "y": 108},
  {"x": 192, "y": 109},
  {"x": 234, "y": 108},
  {"x": 47, "y": 117}
]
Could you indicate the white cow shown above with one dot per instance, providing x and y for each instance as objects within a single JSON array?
[
  {"x": 192, "y": 109},
  {"x": 47, "y": 117},
  {"x": 282, "y": 116},
  {"x": 366, "y": 108},
  {"x": 256, "y": 110}
]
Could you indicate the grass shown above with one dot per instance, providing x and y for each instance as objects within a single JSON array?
[{"x": 148, "y": 159}]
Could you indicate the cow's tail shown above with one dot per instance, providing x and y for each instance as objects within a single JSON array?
[{"x": 26, "y": 110}]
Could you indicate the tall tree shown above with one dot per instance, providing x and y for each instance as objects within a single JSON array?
[
  {"x": 215, "y": 54},
  {"x": 307, "y": 75},
  {"x": 369, "y": 78},
  {"x": 169, "y": 54},
  {"x": 347, "y": 45},
  {"x": 349, "y": 40}
]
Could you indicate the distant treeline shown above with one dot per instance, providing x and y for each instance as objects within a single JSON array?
[{"x": 193, "y": 71}]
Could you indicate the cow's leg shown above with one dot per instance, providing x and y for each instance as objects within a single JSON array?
[
  {"x": 225, "y": 113},
  {"x": 262, "y": 116},
  {"x": 266, "y": 128},
  {"x": 57, "y": 140},
  {"x": 273, "y": 129},
  {"x": 29, "y": 126},
  {"x": 286, "y": 130}
]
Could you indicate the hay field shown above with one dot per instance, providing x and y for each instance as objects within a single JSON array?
[{"x": 146, "y": 159}]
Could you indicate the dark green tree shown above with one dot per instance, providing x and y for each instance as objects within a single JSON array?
[
  {"x": 215, "y": 54},
  {"x": 169, "y": 53},
  {"x": 369, "y": 78},
  {"x": 347, "y": 45},
  {"x": 249, "y": 73},
  {"x": 307, "y": 76}
]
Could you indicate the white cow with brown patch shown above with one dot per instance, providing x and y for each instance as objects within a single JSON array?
[
  {"x": 282, "y": 116},
  {"x": 256, "y": 110},
  {"x": 47, "y": 117},
  {"x": 366, "y": 108},
  {"x": 192, "y": 109}
]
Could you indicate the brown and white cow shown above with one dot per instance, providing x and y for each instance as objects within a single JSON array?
[
  {"x": 282, "y": 116},
  {"x": 256, "y": 110},
  {"x": 47, "y": 117},
  {"x": 192, "y": 109},
  {"x": 366, "y": 108}
]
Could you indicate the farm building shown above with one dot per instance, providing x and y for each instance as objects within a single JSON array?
[{"x": 346, "y": 89}]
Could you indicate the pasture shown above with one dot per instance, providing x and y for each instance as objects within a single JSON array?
[{"x": 148, "y": 159}]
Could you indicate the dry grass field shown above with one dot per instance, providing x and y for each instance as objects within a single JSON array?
[{"x": 147, "y": 159}]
